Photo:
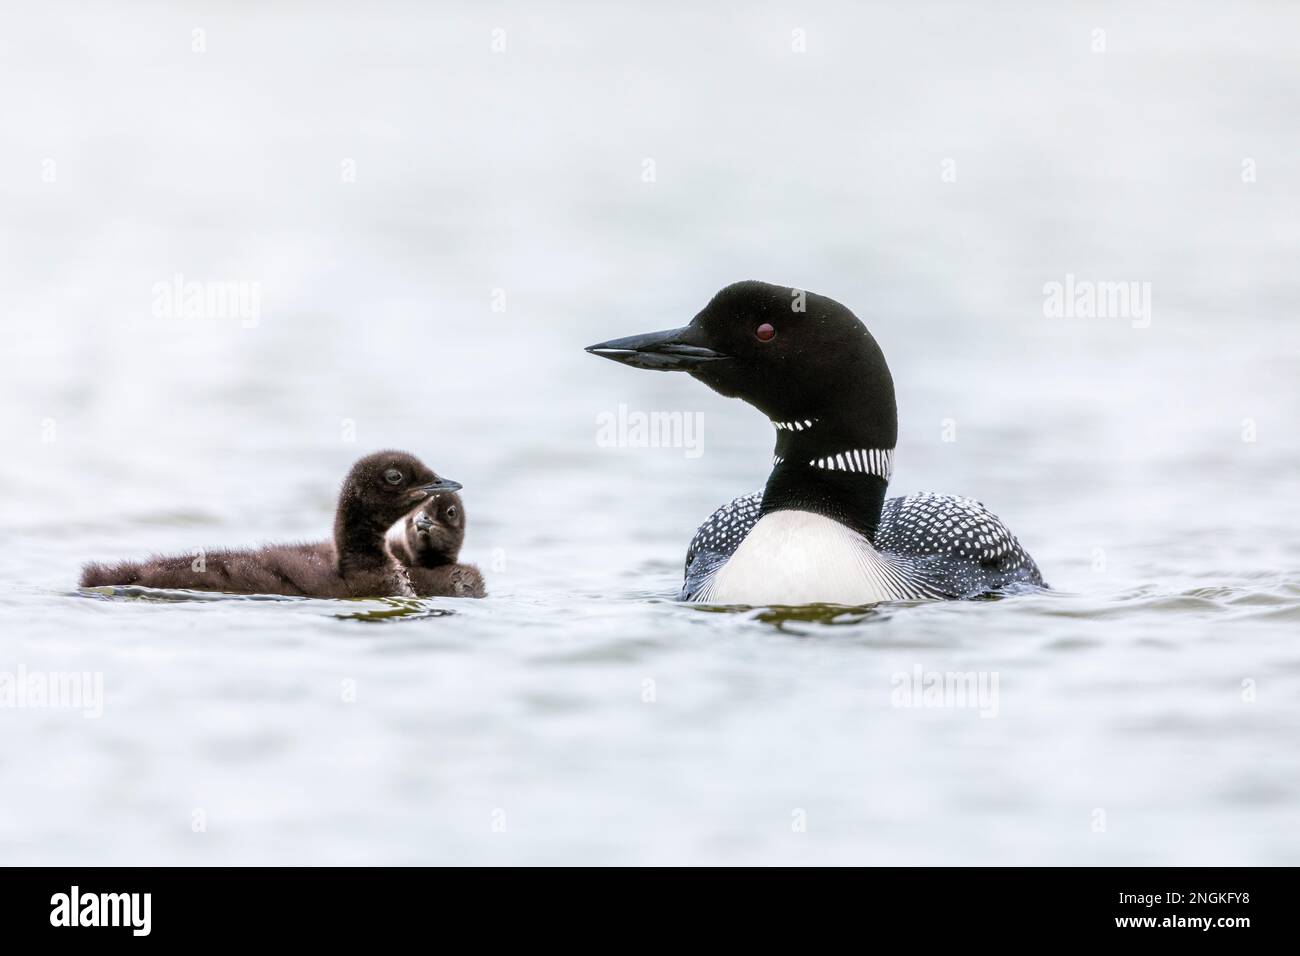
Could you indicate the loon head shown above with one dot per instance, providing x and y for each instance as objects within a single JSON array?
[
  {"x": 436, "y": 530},
  {"x": 802, "y": 359},
  {"x": 384, "y": 486}
]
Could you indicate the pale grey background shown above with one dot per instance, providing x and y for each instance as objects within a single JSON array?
[{"x": 1115, "y": 453}]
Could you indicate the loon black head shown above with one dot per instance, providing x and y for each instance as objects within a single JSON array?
[
  {"x": 796, "y": 356},
  {"x": 436, "y": 530},
  {"x": 379, "y": 490},
  {"x": 811, "y": 366}
]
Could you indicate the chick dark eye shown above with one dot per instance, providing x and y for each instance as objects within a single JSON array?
[
  {"x": 451, "y": 512},
  {"x": 393, "y": 476},
  {"x": 765, "y": 332}
]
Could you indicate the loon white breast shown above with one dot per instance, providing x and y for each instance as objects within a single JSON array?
[
  {"x": 821, "y": 530},
  {"x": 797, "y": 557}
]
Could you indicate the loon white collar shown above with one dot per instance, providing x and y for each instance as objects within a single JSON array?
[
  {"x": 867, "y": 461},
  {"x": 796, "y": 426}
]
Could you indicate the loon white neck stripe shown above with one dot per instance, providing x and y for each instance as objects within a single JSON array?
[
  {"x": 870, "y": 461},
  {"x": 796, "y": 426}
]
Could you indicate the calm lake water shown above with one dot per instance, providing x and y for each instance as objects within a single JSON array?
[{"x": 427, "y": 231}]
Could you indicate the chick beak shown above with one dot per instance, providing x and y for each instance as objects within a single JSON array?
[{"x": 440, "y": 484}]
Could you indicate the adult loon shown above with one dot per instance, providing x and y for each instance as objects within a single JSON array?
[
  {"x": 821, "y": 530},
  {"x": 378, "y": 491}
]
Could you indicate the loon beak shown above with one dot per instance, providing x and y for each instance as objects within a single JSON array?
[
  {"x": 668, "y": 351},
  {"x": 442, "y": 484}
]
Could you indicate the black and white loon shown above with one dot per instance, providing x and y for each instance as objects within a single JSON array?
[{"x": 821, "y": 531}]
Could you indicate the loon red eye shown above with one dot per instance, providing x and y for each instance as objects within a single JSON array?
[{"x": 765, "y": 332}]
